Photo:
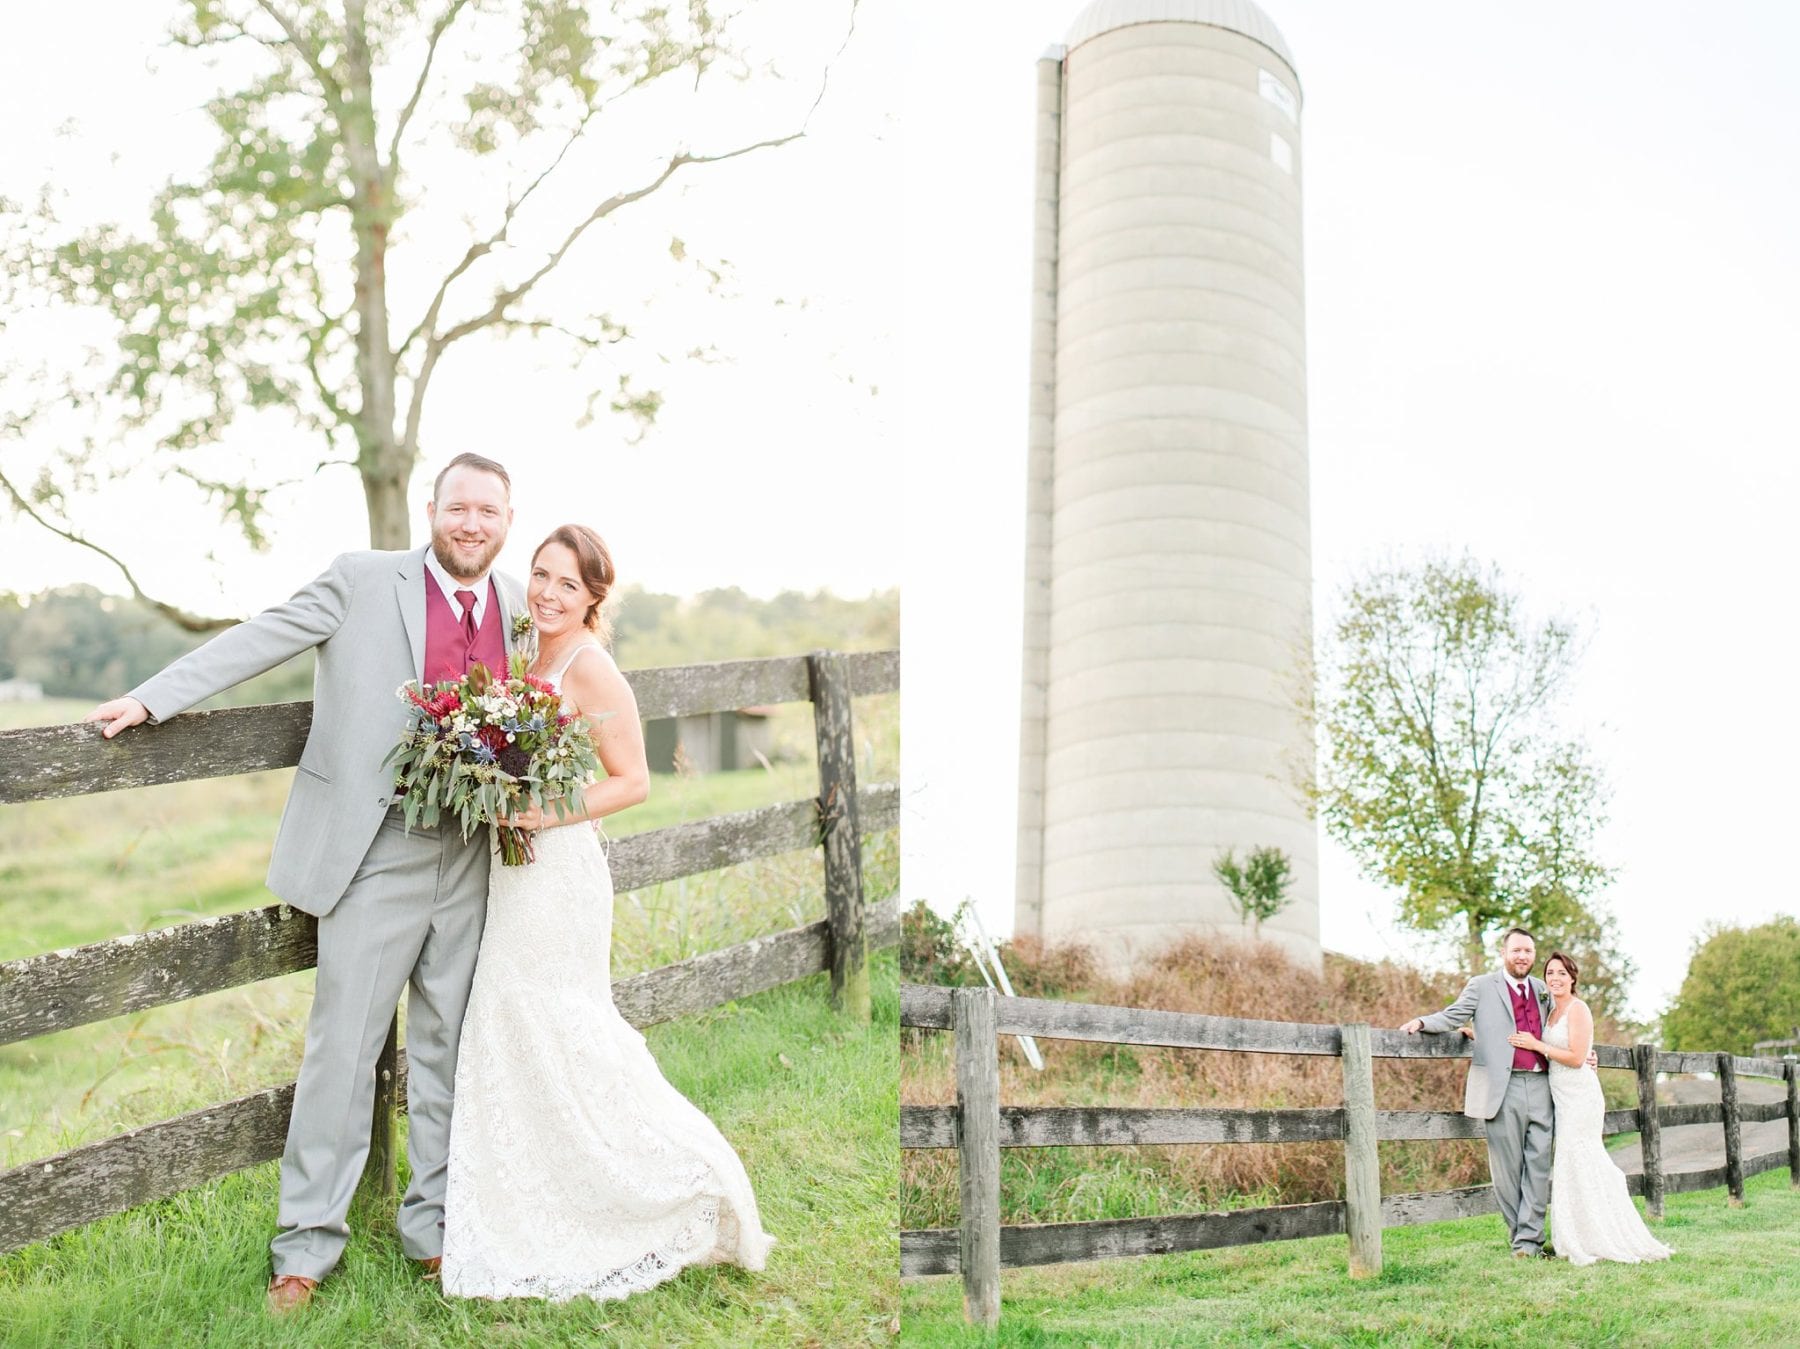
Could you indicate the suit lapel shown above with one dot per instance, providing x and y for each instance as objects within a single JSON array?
[
  {"x": 506, "y": 613},
  {"x": 409, "y": 590}
]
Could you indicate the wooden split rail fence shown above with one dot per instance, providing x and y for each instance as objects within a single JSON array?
[
  {"x": 978, "y": 1126},
  {"x": 62, "y": 989}
]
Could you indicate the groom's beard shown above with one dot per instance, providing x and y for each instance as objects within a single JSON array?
[{"x": 450, "y": 562}]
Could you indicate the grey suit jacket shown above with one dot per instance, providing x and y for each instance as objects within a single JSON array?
[
  {"x": 366, "y": 618},
  {"x": 1487, "y": 1001}
]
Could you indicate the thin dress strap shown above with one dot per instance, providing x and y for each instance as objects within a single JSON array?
[{"x": 556, "y": 676}]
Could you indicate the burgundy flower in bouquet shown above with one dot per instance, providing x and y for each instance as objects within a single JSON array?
[{"x": 483, "y": 748}]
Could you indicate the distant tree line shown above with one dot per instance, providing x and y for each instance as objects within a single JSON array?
[
  {"x": 726, "y": 624},
  {"x": 78, "y": 642}
]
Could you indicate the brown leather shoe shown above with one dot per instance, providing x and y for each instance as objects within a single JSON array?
[
  {"x": 290, "y": 1292},
  {"x": 429, "y": 1266}
]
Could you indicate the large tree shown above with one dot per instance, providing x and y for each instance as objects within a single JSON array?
[
  {"x": 263, "y": 284},
  {"x": 1742, "y": 985},
  {"x": 1441, "y": 768}
]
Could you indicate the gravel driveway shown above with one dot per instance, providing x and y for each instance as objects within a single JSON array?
[{"x": 1697, "y": 1147}]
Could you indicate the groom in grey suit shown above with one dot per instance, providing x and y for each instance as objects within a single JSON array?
[
  {"x": 394, "y": 907},
  {"x": 1508, "y": 1088}
]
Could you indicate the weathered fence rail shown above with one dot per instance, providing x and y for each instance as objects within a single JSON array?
[
  {"x": 1791, "y": 1043},
  {"x": 42, "y": 994},
  {"x": 978, "y": 1126}
]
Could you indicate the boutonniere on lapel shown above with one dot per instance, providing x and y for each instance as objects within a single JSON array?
[{"x": 524, "y": 644}]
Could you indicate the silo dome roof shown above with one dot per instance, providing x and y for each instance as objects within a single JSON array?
[{"x": 1240, "y": 16}]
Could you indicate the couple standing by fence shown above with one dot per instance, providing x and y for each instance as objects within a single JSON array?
[
  {"x": 569, "y": 1166},
  {"x": 1532, "y": 1080}
]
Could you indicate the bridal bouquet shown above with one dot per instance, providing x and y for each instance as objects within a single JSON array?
[{"x": 484, "y": 747}]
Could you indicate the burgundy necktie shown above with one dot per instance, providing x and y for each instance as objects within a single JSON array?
[{"x": 466, "y": 598}]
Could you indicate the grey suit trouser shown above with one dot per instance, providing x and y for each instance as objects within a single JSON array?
[
  {"x": 1518, "y": 1139},
  {"x": 412, "y": 915}
]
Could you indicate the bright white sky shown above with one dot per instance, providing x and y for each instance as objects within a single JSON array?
[
  {"x": 1554, "y": 317},
  {"x": 776, "y": 469}
]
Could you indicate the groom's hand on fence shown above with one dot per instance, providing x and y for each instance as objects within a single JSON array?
[
  {"x": 118, "y": 714},
  {"x": 1414, "y": 1026}
]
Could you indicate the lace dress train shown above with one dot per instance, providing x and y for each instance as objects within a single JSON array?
[
  {"x": 1591, "y": 1214},
  {"x": 575, "y": 1168}
]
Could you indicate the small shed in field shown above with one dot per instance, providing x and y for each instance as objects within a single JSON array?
[{"x": 710, "y": 742}]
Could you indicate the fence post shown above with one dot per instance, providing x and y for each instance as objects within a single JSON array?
[
  {"x": 1791, "y": 1071},
  {"x": 1362, "y": 1159},
  {"x": 378, "y": 1171},
  {"x": 1734, "y": 1132},
  {"x": 978, "y": 1151},
  {"x": 1643, "y": 1058},
  {"x": 840, "y": 831}
]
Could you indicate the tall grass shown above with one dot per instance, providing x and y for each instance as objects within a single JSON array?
[{"x": 1253, "y": 980}]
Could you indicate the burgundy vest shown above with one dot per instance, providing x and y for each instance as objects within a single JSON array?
[
  {"x": 1527, "y": 1019},
  {"x": 448, "y": 652}
]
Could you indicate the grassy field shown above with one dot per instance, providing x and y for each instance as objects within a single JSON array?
[
  {"x": 808, "y": 1100},
  {"x": 1734, "y": 1281}
]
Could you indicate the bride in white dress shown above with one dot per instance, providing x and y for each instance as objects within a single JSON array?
[
  {"x": 1591, "y": 1214},
  {"x": 575, "y": 1169}
]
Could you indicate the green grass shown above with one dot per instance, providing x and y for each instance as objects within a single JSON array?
[
  {"x": 1734, "y": 1280},
  {"x": 808, "y": 1100}
]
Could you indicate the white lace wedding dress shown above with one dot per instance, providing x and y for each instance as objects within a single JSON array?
[
  {"x": 575, "y": 1169},
  {"x": 1591, "y": 1213}
]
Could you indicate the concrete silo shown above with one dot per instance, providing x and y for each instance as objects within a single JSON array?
[{"x": 1168, "y": 567}]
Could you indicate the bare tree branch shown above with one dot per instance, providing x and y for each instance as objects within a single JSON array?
[
  {"x": 427, "y": 325},
  {"x": 436, "y": 343},
  {"x": 437, "y": 32},
  {"x": 482, "y": 247},
  {"x": 226, "y": 39},
  {"x": 180, "y": 617},
  {"x": 315, "y": 344},
  {"x": 825, "y": 75},
  {"x": 309, "y": 54},
  {"x": 506, "y": 298},
  {"x": 588, "y": 340},
  {"x": 477, "y": 250}
]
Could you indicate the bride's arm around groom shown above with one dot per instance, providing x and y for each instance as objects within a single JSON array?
[{"x": 1581, "y": 1038}]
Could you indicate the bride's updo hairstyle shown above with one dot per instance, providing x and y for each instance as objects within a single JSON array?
[
  {"x": 1567, "y": 964},
  {"x": 597, "y": 574}
]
